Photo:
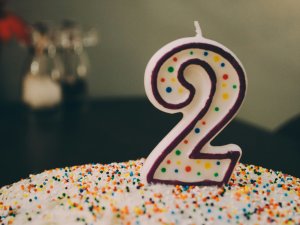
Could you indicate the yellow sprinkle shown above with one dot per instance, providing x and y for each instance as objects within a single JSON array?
[
  {"x": 225, "y": 96},
  {"x": 198, "y": 161},
  {"x": 138, "y": 211},
  {"x": 207, "y": 165},
  {"x": 173, "y": 79},
  {"x": 178, "y": 163},
  {"x": 216, "y": 58},
  {"x": 25, "y": 195},
  {"x": 180, "y": 90},
  {"x": 224, "y": 85}
]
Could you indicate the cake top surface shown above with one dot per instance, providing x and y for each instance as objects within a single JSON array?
[{"x": 114, "y": 194}]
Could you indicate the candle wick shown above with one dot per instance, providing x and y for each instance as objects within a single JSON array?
[{"x": 198, "y": 29}]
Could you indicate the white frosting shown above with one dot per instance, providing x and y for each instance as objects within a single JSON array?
[{"x": 113, "y": 194}]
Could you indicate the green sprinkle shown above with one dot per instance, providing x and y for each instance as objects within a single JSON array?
[
  {"x": 199, "y": 174},
  {"x": 178, "y": 152},
  {"x": 171, "y": 69},
  {"x": 217, "y": 109},
  {"x": 234, "y": 86},
  {"x": 163, "y": 170},
  {"x": 191, "y": 52},
  {"x": 216, "y": 174}
]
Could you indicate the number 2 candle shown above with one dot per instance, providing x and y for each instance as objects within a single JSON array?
[{"x": 206, "y": 82}]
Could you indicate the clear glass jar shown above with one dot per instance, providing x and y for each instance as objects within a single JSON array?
[
  {"x": 41, "y": 87},
  {"x": 71, "y": 43}
]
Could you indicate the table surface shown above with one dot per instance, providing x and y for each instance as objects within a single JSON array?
[{"x": 115, "y": 130}]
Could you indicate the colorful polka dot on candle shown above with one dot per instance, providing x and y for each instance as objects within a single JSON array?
[
  {"x": 171, "y": 69},
  {"x": 188, "y": 169},
  {"x": 177, "y": 152},
  {"x": 216, "y": 58},
  {"x": 225, "y": 76},
  {"x": 180, "y": 90},
  {"x": 225, "y": 96},
  {"x": 207, "y": 165},
  {"x": 168, "y": 89}
]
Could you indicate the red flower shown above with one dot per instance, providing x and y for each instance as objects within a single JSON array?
[{"x": 13, "y": 26}]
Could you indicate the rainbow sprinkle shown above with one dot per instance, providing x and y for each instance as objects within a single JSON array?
[{"x": 114, "y": 194}]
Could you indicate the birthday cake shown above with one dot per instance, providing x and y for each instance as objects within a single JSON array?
[
  {"x": 114, "y": 194},
  {"x": 184, "y": 180}
]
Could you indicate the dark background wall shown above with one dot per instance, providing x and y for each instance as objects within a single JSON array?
[{"x": 264, "y": 35}]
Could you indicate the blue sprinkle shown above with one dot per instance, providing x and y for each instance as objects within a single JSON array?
[
  {"x": 176, "y": 170},
  {"x": 186, "y": 187},
  {"x": 209, "y": 210},
  {"x": 222, "y": 64},
  {"x": 197, "y": 130},
  {"x": 219, "y": 217},
  {"x": 169, "y": 89},
  {"x": 205, "y": 53},
  {"x": 131, "y": 173}
]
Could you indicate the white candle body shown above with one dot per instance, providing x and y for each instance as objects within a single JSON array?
[{"x": 198, "y": 77}]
